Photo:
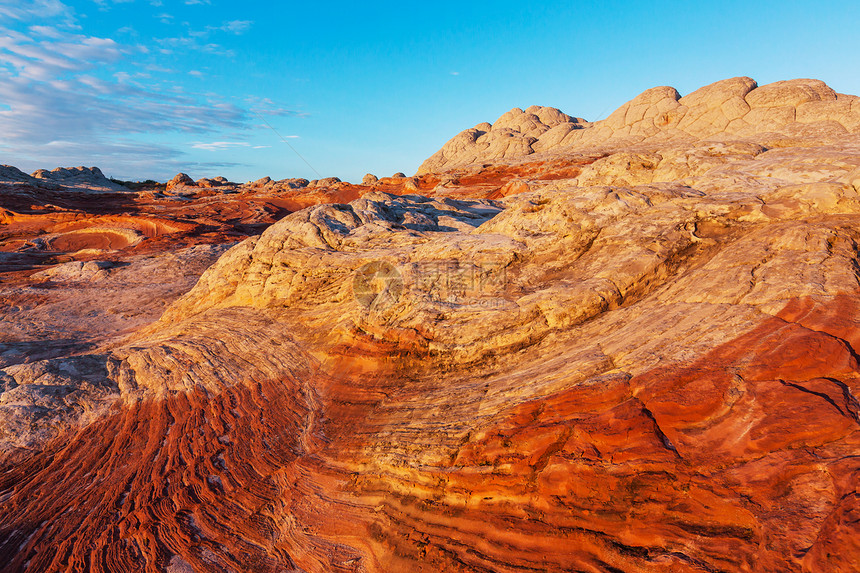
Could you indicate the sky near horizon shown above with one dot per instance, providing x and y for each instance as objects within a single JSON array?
[{"x": 145, "y": 89}]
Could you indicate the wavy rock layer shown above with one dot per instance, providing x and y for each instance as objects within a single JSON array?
[{"x": 623, "y": 360}]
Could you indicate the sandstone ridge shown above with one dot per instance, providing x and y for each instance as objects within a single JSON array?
[{"x": 736, "y": 109}]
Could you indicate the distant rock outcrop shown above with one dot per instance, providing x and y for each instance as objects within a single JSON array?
[
  {"x": 268, "y": 183},
  {"x": 324, "y": 182},
  {"x": 213, "y": 182},
  {"x": 180, "y": 180},
  {"x": 80, "y": 178},
  {"x": 12, "y": 175}
]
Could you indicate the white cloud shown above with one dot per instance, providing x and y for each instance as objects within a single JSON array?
[
  {"x": 68, "y": 97},
  {"x": 192, "y": 42},
  {"x": 46, "y": 32},
  {"x": 34, "y": 9},
  {"x": 219, "y": 145},
  {"x": 233, "y": 27},
  {"x": 55, "y": 53},
  {"x": 198, "y": 38},
  {"x": 266, "y": 107},
  {"x": 105, "y": 4}
]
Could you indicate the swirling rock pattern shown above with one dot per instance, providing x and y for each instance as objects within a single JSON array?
[{"x": 617, "y": 360}]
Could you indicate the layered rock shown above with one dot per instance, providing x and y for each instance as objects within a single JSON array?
[{"x": 638, "y": 358}]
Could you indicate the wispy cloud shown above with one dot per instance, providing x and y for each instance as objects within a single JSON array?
[
  {"x": 51, "y": 91},
  {"x": 54, "y": 53},
  {"x": 105, "y": 4},
  {"x": 232, "y": 27},
  {"x": 220, "y": 145},
  {"x": 266, "y": 107},
  {"x": 200, "y": 39},
  {"x": 69, "y": 97},
  {"x": 194, "y": 42},
  {"x": 34, "y": 9}
]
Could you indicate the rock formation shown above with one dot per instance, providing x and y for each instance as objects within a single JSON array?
[
  {"x": 631, "y": 347},
  {"x": 735, "y": 109},
  {"x": 89, "y": 179},
  {"x": 324, "y": 182},
  {"x": 10, "y": 175},
  {"x": 213, "y": 182},
  {"x": 180, "y": 179}
]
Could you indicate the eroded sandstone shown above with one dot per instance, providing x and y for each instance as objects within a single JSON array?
[{"x": 619, "y": 346}]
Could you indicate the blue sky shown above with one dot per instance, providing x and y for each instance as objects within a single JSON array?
[{"x": 148, "y": 88}]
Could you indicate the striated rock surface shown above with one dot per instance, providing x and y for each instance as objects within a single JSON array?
[{"x": 632, "y": 355}]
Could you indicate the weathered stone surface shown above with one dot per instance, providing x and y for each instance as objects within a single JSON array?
[
  {"x": 89, "y": 179},
  {"x": 632, "y": 356},
  {"x": 729, "y": 110},
  {"x": 214, "y": 182},
  {"x": 324, "y": 182},
  {"x": 513, "y": 135},
  {"x": 180, "y": 180}
]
